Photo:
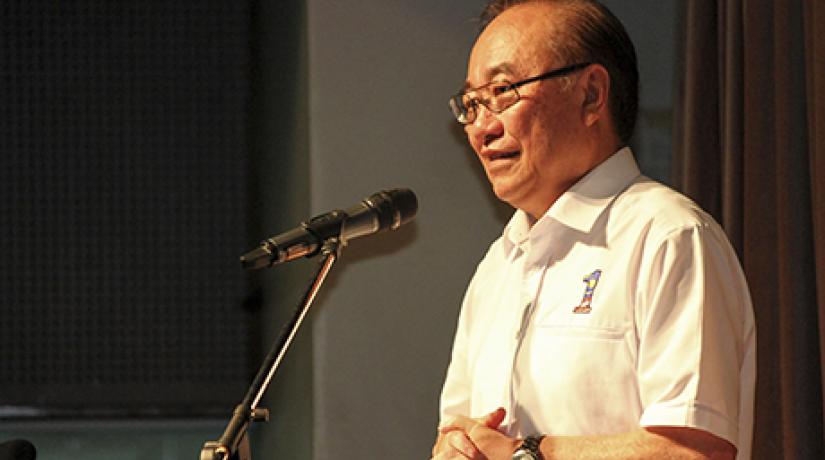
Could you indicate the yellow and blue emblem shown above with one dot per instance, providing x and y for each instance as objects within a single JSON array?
[{"x": 590, "y": 282}]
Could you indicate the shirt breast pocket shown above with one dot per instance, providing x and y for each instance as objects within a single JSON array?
[
  {"x": 574, "y": 351},
  {"x": 575, "y": 355},
  {"x": 582, "y": 374},
  {"x": 573, "y": 331}
]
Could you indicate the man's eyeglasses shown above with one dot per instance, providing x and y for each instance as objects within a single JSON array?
[{"x": 498, "y": 95}]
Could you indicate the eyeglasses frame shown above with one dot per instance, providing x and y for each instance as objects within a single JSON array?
[{"x": 555, "y": 73}]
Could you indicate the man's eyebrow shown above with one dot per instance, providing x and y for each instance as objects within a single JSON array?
[
  {"x": 490, "y": 73},
  {"x": 504, "y": 67}
]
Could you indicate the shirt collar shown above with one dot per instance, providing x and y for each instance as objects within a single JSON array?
[{"x": 583, "y": 203}]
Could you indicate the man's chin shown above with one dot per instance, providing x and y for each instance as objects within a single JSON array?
[{"x": 506, "y": 193}]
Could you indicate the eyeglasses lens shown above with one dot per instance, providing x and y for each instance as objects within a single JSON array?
[
  {"x": 495, "y": 96},
  {"x": 463, "y": 108}
]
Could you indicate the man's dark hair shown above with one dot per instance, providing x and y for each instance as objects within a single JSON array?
[{"x": 592, "y": 33}]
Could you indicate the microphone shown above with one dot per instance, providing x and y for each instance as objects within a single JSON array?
[
  {"x": 17, "y": 449},
  {"x": 385, "y": 210}
]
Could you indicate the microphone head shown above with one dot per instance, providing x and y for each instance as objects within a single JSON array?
[
  {"x": 17, "y": 449},
  {"x": 394, "y": 208}
]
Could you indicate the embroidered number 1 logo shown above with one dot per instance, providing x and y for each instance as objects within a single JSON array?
[{"x": 590, "y": 282}]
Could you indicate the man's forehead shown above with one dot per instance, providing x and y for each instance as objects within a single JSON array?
[
  {"x": 492, "y": 68},
  {"x": 516, "y": 42}
]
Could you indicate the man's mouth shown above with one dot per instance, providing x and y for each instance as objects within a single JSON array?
[{"x": 504, "y": 155}]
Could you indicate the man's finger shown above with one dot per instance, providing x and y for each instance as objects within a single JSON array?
[
  {"x": 460, "y": 442},
  {"x": 458, "y": 422},
  {"x": 494, "y": 418}
]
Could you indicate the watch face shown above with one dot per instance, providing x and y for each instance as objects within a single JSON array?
[{"x": 522, "y": 454}]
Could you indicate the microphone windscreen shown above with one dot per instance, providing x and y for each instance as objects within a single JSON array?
[
  {"x": 393, "y": 207},
  {"x": 406, "y": 203}
]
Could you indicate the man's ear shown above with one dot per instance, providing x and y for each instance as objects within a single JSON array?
[{"x": 596, "y": 83}]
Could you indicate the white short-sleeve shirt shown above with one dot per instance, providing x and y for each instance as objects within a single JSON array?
[{"x": 623, "y": 306}]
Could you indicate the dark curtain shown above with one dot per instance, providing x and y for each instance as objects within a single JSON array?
[{"x": 749, "y": 141}]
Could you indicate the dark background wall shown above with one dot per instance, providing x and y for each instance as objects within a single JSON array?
[
  {"x": 270, "y": 112},
  {"x": 125, "y": 157},
  {"x": 124, "y": 163}
]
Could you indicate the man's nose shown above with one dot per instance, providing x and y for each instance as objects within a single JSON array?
[{"x": 486, "y": 127}]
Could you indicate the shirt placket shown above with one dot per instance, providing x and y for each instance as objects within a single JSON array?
[{"x": 531, "y": 279}]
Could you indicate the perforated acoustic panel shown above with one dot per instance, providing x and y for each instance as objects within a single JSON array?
[{"x": 124, "y": 163}]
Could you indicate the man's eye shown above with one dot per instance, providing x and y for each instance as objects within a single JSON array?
[
  {"x": 469, "y": 102},
  {"x": 500, "y": 89}
]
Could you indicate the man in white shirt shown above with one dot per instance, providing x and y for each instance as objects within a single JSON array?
[{"x": 611, "y": 319}]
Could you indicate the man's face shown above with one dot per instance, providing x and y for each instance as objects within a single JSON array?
[{"x": 529, "y": 151}]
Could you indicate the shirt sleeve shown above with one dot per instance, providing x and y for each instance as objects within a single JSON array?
[{"x": 693, "y": 317}]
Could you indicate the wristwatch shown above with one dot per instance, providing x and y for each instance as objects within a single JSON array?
[{"x": 529, "y": 449}]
